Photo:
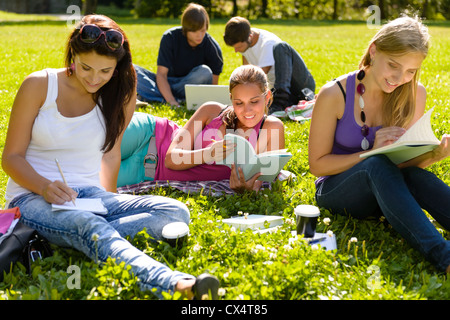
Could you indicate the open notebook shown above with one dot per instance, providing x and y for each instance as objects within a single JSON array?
[
  {"x": 197, "y": 94},
  {"x": 94, "y": 205}
]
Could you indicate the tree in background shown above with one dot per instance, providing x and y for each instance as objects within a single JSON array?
[
  {"x": 287, "y": 9},
  {"x": 89, "y": 6}
]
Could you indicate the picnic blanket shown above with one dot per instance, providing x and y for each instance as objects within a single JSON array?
[
  {"x": 213, "y": 188},
  {"x": 209, "y": 187}
]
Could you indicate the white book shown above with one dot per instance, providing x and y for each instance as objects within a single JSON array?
[
  {"x": 253, "y": 221},
  {"x": 94, "y": 205},
  {"x": 416, "y": 141}
]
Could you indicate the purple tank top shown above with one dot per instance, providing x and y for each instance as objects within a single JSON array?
[
  {"x": 165, "y": 130},
  {"x": 348, "y": 137}
]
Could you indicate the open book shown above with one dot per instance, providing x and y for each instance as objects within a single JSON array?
[
  {"x": 94, "y": 205},
  {"x": 268, "y": 163},
  {"x": 417, "y": 140}
]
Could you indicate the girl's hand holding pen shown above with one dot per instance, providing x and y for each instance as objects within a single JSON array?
[
  {"x": 58, "y": 192},
  {"x": 218, "y": 150}
]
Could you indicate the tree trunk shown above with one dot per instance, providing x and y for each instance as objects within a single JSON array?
[
  {"x": 235, "y": 8},
  {"x": 89, "y": 6},
  {"x": 382, "y": 9},
  {"x": 264, "y": 8},
  {"x": 335, "y": 9},
  {"x": 425, "y": 9}
]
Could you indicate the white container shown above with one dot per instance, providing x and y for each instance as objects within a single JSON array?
[
  {"x": 175, "y": 233},
  {"x": 254, "y": 221}
]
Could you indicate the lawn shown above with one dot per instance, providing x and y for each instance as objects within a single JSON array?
[{"x": 371, "y": 261}]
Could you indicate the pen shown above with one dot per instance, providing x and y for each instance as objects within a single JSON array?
[
  {"x": 316, "y": 240},
  {"x": 224, "y": 146},
  {"x": 62, "y": 175}
]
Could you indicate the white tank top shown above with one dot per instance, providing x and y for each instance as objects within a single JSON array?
[{"x": 76, "y": 143}]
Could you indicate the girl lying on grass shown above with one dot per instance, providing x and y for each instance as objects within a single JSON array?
[
  {"x": 190, "y": 153},
  {"x": 78, "y": 115},
  {"x": 370, "y": 108}
]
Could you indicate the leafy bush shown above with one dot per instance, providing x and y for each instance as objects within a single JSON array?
[{"x": 159, "y": 8}]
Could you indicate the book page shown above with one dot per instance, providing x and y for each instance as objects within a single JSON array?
[
  {"x": 279, "y": 151},
  {"x": 243, "y": 151},
  {"x": 269, "y": 164},
  {"x": 420, "y": 132},
  {"x": 244, "y": 156},
  {"x": 417, "y": 140}
]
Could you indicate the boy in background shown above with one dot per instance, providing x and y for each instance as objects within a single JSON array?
[
  {"x": 288, "y": 75},
  {"x": 187, "y": 55}
]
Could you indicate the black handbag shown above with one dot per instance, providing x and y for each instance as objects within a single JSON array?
[{"x": 23, "y": 245}]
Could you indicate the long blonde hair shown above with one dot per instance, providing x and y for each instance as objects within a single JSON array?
[{"x": 398, "y": 37}]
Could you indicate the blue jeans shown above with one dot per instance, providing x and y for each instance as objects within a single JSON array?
[
  {"x": 291, "y": 73},
  {"x": 147, "y": 88},
  {"x": 127, "y": 215},
  {"x": 377, "y": 185}
]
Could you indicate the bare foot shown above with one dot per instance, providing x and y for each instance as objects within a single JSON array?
[
  {"x": 185, "y": 287},
  {"x": 205, "y": 286}
]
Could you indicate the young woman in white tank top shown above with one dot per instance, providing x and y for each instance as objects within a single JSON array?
[{"x": 78, "y": 115}]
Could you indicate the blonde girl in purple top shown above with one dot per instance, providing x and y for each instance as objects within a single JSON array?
[{"x": 368, "y": 109}]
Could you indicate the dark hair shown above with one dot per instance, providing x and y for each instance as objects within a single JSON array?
[
  {"x": 117, "y": 92},
  {"x": 194, "y": 17},
  {"x": 237, "y": 30}
]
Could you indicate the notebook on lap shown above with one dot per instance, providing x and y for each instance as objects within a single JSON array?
[{"x": 197, "y": 94}]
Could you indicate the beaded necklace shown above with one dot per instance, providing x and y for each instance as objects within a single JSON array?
[{"x": 360, "y": 88}]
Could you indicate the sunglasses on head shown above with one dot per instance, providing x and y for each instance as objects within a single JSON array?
[{"x": 90, "y": 33}]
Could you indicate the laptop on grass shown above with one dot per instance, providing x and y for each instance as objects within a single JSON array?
[{"x": 197, "y": 94}]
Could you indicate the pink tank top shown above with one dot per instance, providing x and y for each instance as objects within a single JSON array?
[{"x": 165, "y": 130}]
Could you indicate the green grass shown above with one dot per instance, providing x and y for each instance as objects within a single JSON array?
[{"x": 249, "y": 266}]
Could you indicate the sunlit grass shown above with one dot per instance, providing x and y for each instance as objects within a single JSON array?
[{"x": 329, "y": 49}]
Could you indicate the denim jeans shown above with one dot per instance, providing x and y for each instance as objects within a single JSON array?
[
  {"x": 291, "y": 73},
  {"x": 376, "y": 184},
  {"x": 147, "y": 88},
  {"x": 127, "y": 215}
]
